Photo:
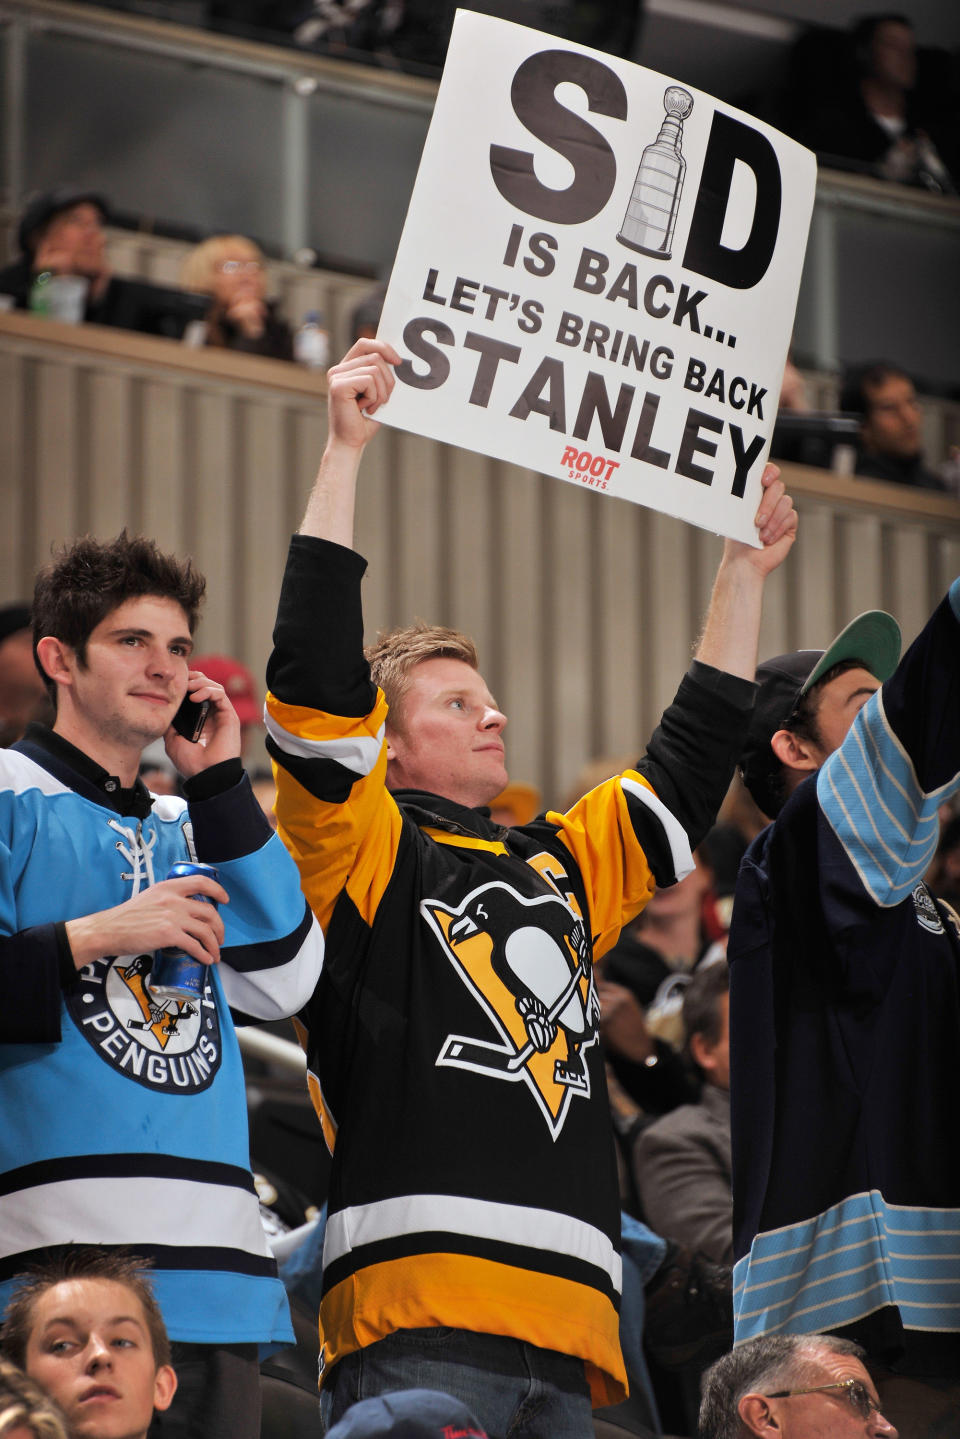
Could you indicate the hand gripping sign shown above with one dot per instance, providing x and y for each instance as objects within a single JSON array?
[{"x": 598, "y": 275}]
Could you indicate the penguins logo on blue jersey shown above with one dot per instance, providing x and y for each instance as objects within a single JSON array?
[
  {"x": 168, "y": 1045},
  {"x": 527, "y": 963}
]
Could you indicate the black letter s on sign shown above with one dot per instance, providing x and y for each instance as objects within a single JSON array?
[{"x": 533, "y": 94}]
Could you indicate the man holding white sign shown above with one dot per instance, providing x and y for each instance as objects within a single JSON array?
[{"x": 452, "y": 1042}]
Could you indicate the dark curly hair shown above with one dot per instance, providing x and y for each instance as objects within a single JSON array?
[{"x": 90, "y": 578}]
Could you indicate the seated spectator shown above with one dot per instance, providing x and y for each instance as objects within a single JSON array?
[
  {"x": 26, "y": 1412},
  {"x": 890, "y": 436},
  {"x": 230, "y": 269},
  {"x": 883, "y": 120},
  {"x": 62, "y": 233},
  {"x": 23, "y": 696},
  {"x": 795, "y": 1386},
  {"x": 681, "y": 1162},
  {"x": 87, "y": 1327},
  {"x": 666, "y": 939}
]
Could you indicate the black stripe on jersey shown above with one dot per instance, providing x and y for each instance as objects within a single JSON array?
[
  {"x": 652, "y": 836},
  {"x": 229, "y": 825},
  {"x": 515, "y": 1256},
  {"x": 269, "y": 954},
  {"x": 125, "y": 1166},
  {"x": 163, "y": 1256},
  {"x": 325, "y": 779}
]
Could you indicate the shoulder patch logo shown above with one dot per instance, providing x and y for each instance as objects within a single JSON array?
[
  {"x": 527, "y": 963},
  {"x": 927, "y": 914},
  {"x": 167, "y": 1045}
]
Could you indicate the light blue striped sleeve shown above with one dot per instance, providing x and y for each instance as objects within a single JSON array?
[{"x": 875, "y": 805}]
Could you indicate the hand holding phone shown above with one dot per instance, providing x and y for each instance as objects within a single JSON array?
[
  {"x": 206, "y": 711},
  {"x": 191, "y": 717}
]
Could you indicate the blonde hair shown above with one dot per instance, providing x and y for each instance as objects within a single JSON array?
[
  {"x": 198, "y": 268},
  {"x": 24, "y": 1405},
  {"x": 396, "y": 653}
]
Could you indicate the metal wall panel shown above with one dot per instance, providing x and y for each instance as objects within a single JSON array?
[
  {"x": 160, "y": 134},
  {"x": 585, "y": 609}
]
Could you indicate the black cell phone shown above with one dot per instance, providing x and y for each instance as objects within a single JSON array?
[{"x": 190, "y": 718}]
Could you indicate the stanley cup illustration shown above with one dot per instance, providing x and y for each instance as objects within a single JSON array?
[{"x": 652, "y": 209}]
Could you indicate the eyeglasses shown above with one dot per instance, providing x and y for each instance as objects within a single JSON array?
[
  {"x": 240, "y": 267},
  {"x": 855, "y": 1391}
]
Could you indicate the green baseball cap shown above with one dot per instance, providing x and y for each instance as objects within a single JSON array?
[{"x": 873, "y": 639}]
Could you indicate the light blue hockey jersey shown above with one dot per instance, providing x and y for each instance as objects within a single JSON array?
[{"x": 131, "y": 1127}]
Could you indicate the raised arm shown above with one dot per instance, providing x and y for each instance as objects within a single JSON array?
[
  {"x": 881, "y": 791},
  {"x": 691, "y": 756},
  {"x": 731, "y": 630},
  {"x": 357, "y": 387}
]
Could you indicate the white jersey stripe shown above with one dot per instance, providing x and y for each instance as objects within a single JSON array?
[
  {"x": 21, "y": 774},
  {"x": 358, "y": 753},
  {"x": 278, "y": 992},
  {"x": 676, "y": 834},
  {"x": 360, "y": 1225},
  {"x": 145, "y": 1210}
]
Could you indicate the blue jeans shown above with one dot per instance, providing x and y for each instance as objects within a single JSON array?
[
  {"x": 643, "y": 1253},
  {"x": 516, "y": 1390}
]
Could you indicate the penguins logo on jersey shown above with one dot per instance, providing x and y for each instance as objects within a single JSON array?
[
  {"x": 526, "y": 961},
  {"x": 168, "y": 1045}
]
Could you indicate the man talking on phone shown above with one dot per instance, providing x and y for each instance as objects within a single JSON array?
[{"x": 122, "y": 1110}]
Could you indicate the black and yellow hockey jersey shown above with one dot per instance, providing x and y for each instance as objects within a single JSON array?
[{"x": 452, "y": 1039}]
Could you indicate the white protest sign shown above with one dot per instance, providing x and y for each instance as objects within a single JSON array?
[{"x": 598, "y": 275}]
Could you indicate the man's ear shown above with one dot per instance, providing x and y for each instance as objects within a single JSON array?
[
  {"x": 757, "y": 1417},
  {"x": 56, "y": 659},
  {"x": 164, "y": 1387},
  {"x": 700, "y": 1049},
  {"x": 795, "y": 752}
]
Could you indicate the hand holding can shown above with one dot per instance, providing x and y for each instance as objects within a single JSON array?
[{"x": 176, "y": 975}]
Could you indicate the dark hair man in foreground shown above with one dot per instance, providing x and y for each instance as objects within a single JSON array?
[{"x": 123, "y": 1111}]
